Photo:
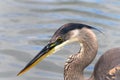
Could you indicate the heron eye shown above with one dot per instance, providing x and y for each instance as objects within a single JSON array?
[{"x": 59, "y": 39}]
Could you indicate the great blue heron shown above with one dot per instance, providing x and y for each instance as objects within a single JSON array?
[{"x": 107, "y": 67}]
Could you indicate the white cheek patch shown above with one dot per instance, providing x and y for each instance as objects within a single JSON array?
[
  {"x": 73, "y": 38},
  {"x": 75, "y": 33}
]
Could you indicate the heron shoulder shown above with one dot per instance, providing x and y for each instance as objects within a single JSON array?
[
  {"x": 114, "y": 73},
  {"x": 108, "y": 65}
]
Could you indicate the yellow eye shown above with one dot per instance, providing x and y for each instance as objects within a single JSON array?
[{"x": 59, "y": 39}]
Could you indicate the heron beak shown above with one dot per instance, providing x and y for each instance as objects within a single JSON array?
[{"x": 46, "y": 51}]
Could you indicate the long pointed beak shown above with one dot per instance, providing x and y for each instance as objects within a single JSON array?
[{"x": 46, "y": 51}]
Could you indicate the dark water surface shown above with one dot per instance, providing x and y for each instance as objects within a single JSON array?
[{"x": 27, "y": 25}]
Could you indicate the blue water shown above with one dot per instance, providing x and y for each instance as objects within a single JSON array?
[{"x": 27, "y": 25}]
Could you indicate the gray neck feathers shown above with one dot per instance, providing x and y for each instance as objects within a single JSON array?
[{"x": 76, "y": 63}]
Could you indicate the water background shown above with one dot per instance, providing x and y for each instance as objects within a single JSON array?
[{"x": 27, "y": 25}]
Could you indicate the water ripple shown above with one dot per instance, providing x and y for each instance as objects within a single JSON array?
[{"x": 27, "y": 25}]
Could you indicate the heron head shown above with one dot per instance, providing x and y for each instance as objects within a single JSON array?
[{"x": 66, "y": 34}]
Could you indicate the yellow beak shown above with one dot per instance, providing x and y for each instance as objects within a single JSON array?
[{"x": 46, "y": 51}]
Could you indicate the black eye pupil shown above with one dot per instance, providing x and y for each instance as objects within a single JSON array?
[{"x": 59, "y": 40}]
